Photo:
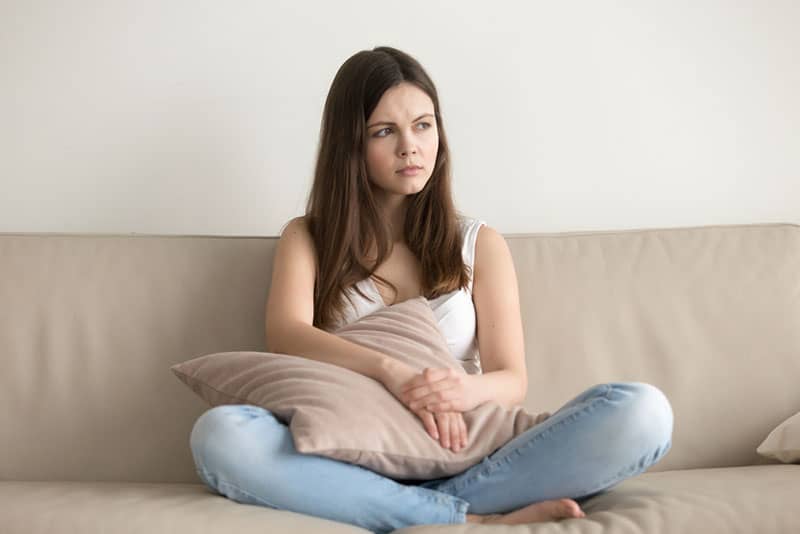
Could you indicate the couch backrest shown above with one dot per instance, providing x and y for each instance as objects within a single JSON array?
[{"x": 90, "y": 324}]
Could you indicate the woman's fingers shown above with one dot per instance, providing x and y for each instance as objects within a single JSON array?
[
  {"x": 447, "y": 427},
  {"x": 455, "y": 425},
  {"x": 428, "y": 376},
  {"x": 443, "y": 421},
  {"x": 440, "y": 398},
  {"x": 429, "y": 421},
  {"x": 427, "y": 391},
  {"x": 452, "y": 430},
  {"x": 457, "y": 432}
]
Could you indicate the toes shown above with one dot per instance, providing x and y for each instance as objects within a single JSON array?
[{"x": 569, "y": 508}]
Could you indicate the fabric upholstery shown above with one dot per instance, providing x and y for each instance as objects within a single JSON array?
[
  {"x": 90, "y": 325},
  {"x": 756, "y": 499},
  {"x": 783, "y": 443}
]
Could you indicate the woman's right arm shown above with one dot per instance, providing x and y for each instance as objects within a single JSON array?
[
  {"x": 290, "y": 312},
  {"x": 290, "y": 330}
]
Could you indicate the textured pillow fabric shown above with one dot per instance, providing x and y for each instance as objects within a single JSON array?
[
  {"x": 783, "y": 443},
  {"x": 335, "y": 412}
]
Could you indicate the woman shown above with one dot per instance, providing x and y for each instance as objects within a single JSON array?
[{"x": 380, "y": 227}]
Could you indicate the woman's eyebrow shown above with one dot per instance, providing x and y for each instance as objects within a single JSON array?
[{"x": 393, "y": 124}]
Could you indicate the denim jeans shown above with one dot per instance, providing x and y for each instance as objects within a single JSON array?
[{"x": 607, "y": 434}]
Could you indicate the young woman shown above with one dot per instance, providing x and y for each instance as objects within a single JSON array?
[{"x": 380, "y": 227}]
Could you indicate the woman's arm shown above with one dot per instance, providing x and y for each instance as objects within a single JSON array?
[
  {"x": 500, "y": 340},
  {"x": 290, "y": 330},
  {"x": 290, "y": 311},
  {"x": 501, "y": 344}
]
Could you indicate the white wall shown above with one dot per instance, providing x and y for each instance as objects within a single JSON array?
[{"x": 200, "y": 117}]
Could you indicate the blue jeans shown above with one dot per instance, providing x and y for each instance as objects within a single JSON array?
[{"x": 607, "y": 434}]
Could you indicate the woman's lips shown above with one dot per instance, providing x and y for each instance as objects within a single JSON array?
[{"x": 410, "y": 171}]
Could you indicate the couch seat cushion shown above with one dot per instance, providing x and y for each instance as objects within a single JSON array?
[
  {"x": 136, "y": 508},
  {"x": 747, "y": 500},
  {"x": 737, "y": 499}
]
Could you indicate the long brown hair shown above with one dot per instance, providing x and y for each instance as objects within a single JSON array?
[{"x": 342, "y": 214}]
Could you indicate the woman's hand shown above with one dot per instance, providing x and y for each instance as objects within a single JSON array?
[
  {"x": 452, "y": 430},
  {"x": 440, "y": 389},
  {"x": 446, "y": 426},
  {"x": 395, "y": 377}
]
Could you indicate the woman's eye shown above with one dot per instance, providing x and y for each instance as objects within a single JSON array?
[{"x": 380, "y": 133}]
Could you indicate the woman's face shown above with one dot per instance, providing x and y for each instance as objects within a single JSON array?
[{"x": 400, "y": 132}]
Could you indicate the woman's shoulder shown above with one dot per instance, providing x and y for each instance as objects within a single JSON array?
[
  {"x": 470, "y": 224},
  {"x": 467, "y": 221},
  {"x": 297, "y": 225},
  {"x": 296, "y": 236}
]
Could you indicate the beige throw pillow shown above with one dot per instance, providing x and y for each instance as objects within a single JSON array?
[
  {"x": 335, "y": 412},
  {"x": 783, "y": 443}
]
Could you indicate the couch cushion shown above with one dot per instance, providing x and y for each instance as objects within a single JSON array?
[
  {"x": 752, "y": 499},
  {"x": 90, "y": 325},
  {"x": 708, "y": 315},
  {"x": 744, "y": 499},
  {"x": 136, "y": 508},
  {"x": 783, "y": 443}
]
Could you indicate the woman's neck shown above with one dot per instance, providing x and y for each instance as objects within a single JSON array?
[{"x": 395, "y": 217}]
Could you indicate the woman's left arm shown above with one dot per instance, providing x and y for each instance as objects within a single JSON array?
[{"x": 495, "y": 294}]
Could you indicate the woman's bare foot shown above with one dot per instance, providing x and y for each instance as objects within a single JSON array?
[{"x": 533, "y": 513}]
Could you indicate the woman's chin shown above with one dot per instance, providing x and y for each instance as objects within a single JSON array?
[{"x": 405, "y": 189}]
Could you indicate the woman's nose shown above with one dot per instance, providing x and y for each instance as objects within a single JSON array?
[{"x": 407, "y": 149}]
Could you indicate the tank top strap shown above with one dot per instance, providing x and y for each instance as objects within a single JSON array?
[{"x": 469, "y": 228}]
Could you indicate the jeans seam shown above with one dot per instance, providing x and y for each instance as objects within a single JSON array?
[
  {"x": 627, "y": 472},
  {"x": 254, "y": 497},
  {"x": 440, "y": 497},
  {"x": 458, "y": 508},
  {"x": 459, "y": 514},
  {"x": 494, "y": 466}
]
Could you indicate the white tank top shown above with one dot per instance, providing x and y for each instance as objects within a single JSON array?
[{"x": 454, "y": 311}]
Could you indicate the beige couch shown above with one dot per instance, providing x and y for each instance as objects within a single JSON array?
[{"x": 95, "y": 427}]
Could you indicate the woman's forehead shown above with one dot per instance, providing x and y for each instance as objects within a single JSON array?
[{"x": 403, "y": 102}]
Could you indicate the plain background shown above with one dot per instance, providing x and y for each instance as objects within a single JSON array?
[{"x": 195, "y": 117}]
